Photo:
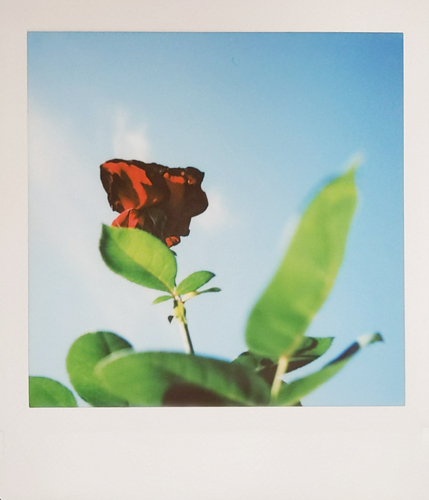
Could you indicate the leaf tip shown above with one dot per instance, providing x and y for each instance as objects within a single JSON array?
[{"x": 369, "y": 338}]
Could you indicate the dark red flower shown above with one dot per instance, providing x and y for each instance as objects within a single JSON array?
[{"x": 157, "y": 199}]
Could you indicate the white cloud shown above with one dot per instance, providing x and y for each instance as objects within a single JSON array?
[
  {"x": 216, "y": 216},
  {"x": 129, "y": 138},
  {"x": 67, "y": 205},
  {"x": 44, "y": 141},
  {"x": 63, "y": 190}
]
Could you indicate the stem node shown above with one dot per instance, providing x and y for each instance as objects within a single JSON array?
[{"x": 180, "y": 314}]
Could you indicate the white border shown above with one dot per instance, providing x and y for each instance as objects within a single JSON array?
[{"x": 156, "y": 453}]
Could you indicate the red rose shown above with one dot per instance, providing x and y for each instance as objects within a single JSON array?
[{"x": 157, "y": 199}]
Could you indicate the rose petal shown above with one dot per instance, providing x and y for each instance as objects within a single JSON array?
[
  {"x": 187, "y": 200},
  {"x": 155, "y": 198},
  {"x": 173, "y": 240},
  {"x": 130, "y": 218},
  {"x": 133, "y": 184}
]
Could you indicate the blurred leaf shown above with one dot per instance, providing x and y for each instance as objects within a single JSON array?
[
  {"x": 139, "y": 257},
  {"x": 147, "y": 378},
  {"x": 45, "y": 392},
  {"x": 162, "y": 298},
  {"x": 192, "y": 395},
  {"x": 194, "y": 281},
  {"x": 82, "y": 357},
  {"x": 311, "y": 349},
  {"x": 253, "y": 361},
  {"x": 291, "y": 393},
  {"x": 307, "y": 273}
]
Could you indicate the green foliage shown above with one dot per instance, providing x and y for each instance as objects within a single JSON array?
[
  {"x": 105, "y": 371},
  {"x": 82, "y": 357},
  {"x": 189, "y": 287},
  {"x": 145, "y": 378},
  {"x": 291, "y": 393},
  {"x": 307, "y": 273},
  {"x": 194, "y": 281},
  {"x": 139, "y": 257},
  {"x": 311, "y": 348},
  {"x": 45, "y": 392}
]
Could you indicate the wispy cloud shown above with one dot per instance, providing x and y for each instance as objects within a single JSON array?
[
  {"x": 45, "y": 140},
  {"x": 64, "y": 211},
  {"x": 129, "y": 137},
  {"x": 218, "y": 215}
]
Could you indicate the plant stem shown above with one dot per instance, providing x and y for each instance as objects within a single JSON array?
[
  {"x": 186, "y": 337},
  {"x": 180, "y": 314},
  {"x": 281, "y": 370}
]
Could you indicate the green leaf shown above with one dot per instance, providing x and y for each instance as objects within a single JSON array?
[
  {"x": 82, "y": 357},
  {"x": 139, "y": 257},
  {"x": 264, "y": 367},
  {"x": 253, "y": 361},
  {"x": 307, "y": 273},
  {"x": 194, "y": 281},
  {"x": 146, "y": 378},
  {"x": 162, "y": 298},
  {"x": 310, "y": 349},
  {"x": 291, "y": 393},
  {"x": 191, "y": 295},
  {"x": 192, "y": 395},
  {"x": 45, "y": 392},
  {"x": 209, "y": 290}
]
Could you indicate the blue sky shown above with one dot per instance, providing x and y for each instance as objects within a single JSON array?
[{"x": 269, "y": 117}]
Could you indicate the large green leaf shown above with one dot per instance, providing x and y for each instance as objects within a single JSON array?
[
  {"x": 146, "y": 378},
  {"x": 45, "y": 392},
  {"x": 82, "y": 357},
  {"x": 306, "y": 274},
  {"x": 193, "y": 395},
  {"x": 291, "y": 393},
  {"x": 139, "y": 257},
  {"x": 193, "y": 282}
]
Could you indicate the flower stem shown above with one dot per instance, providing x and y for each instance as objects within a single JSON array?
[
  {"x": 183, "y": 325},
  {"x": 180, "y": 314},
  {"x": 281, "y": 370}
]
